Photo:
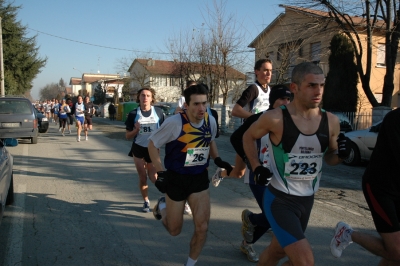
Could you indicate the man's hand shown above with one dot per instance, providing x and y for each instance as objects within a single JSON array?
[
  {"x": 161, "y": 182},
  {"x": 262, "y": 175},
  {"x": 221, "y": 164},
  {"x": 343, "y": 146}
]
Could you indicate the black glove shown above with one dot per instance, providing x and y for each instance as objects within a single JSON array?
[
  {"x": 221, "y": 164},
  {"x": 262, "y": 175},
  {"x": 246, "y": 161},
  {"x": 343, "y": 146},
  {"x": 161, "y": 182}
]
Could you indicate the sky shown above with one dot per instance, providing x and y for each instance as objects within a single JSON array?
[{"x": 88, "y": 36}]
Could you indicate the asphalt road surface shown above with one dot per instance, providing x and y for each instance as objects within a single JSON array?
[{"x": 78, "y": 203}]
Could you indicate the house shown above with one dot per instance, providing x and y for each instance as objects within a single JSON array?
[
  {"x": 168, "y": 78},
  {"x": 83, "y": 86},
  {"x": 293, "y": 37},
  {"x": 112, "y": 86}
]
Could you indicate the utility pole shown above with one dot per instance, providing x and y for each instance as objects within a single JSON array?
[{"x": 1, "y": 61}]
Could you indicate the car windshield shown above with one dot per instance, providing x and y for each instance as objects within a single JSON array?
[{"x": 14, "y": 107}]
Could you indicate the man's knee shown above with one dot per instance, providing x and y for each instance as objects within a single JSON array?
[
  {"x": 173, "y": 230},
  {"x": 201, "y": 228}
]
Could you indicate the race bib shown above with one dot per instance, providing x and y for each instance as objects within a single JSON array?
[
  {"x": 197, "y": 156},
  {"x": 303, "y": 166},
  {"x": 147, "y": 128}
]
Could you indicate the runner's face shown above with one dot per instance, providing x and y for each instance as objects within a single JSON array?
[
  {"x": 145, "y": 98},
  {"x": 310, "y": 92},
  {"x": 197, "y": 107},
  {"x": 264, "y": 74},
  {"x": 281, "y": 101},
  {"x": 79, "y": 99}
]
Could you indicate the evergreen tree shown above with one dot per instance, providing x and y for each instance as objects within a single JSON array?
[
  {"x": 340, "y": 92},
  {"x": 20, "y": 54},
  {"x": 126, "y": 91},
  {"x": 99, "y": 95}
]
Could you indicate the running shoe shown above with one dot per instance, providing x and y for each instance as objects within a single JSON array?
[
  {"x": 247, "y": 226},
  {"x": 69, "y": 131},
  {"x": 146, "y": 206},
  {"x": 156, "y": 210},
  {"x": 341, "y": 239},
  {"x": 217, "y": 178},
  {"x": 60, "y": 129},
  {"x": 63, "y": 134},
  {"x": 86, "y": 138},
  {"x": 78, "y": 139},
  {"x": 249, "y": 251},
  {"x": 187, "y": 209}
]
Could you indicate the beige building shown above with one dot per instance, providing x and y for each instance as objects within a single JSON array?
[
  {"x": 83, "y": 86},
  {"x": 165, "y": 78},
  {"x": 294, "y": 36}
]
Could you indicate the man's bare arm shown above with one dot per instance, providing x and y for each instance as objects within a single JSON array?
[
  {"x": 257, "y": 130},
  {"x": 331, "y": 156},
  {"x": 155, "y": 157},
  {"x": 239, "y": 111}
]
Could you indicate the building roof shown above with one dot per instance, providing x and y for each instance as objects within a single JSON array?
[
  {"x": 357, "y": 21},
  {"x": 89, "y": 78},
  {"x": 75, "y": 81},
  {"x": 162, "y": 67}
]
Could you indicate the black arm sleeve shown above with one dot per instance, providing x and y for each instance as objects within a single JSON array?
[
  {"x": 248, "y": 95},
  {"x": 215, "y": 115},
  {"x": 237, "y": 136}
]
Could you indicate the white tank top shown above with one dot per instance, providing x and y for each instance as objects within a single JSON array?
[
  {"x": 261, "y": 103},
  {"x": 79, "y": 107},
  {"x": 147, "y": 126}
]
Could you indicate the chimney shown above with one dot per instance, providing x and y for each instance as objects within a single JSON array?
[{"x": 150, "y": 62}]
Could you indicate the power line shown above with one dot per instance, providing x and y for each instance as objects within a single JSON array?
[
  {"x": 115, "y": 48},
  {"x": 91, "y": 44}
]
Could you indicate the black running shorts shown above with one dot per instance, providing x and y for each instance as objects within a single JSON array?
[
  {"x": 385, "y": 209},
  {"x": 287, "y": 214},
  {"x": 88, "y": 120},
  {"x": 179, "y": 187},
  {"x": 140, "y": 152}
]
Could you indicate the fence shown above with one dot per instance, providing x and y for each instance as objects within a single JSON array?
[{"x": 360, "y": 120}]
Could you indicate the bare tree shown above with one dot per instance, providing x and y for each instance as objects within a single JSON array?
[
  {"x": 366, "y": 19},
  {"x": 49, "y": 91},
  {"x": 210, "y": 54},
  {"x": 228, "y": 40}
]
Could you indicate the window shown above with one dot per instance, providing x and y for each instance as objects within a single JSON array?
[
  {"x": 315, "y": 52},
  {"x": 380, "y": 55}
]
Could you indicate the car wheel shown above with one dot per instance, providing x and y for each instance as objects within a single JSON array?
[
  {"x": 354, "y": 157},
  {"x": 34, "y": 140},
  {"x": 10, "y": 195}
]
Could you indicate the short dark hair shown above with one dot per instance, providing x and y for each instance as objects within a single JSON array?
[
  {"x": 190, "y": 83},
  {"x": 153, "y": 94},
  {"x": 200, "y": 89},
  {"x": 260, "y": 62},
  {"x": 302, "y": 69}
]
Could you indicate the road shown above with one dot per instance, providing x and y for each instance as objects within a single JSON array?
[{"x": 79, "y": 204}]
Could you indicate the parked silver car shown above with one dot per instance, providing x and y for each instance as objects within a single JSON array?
[
  {"x": 18, "y": 119},
  {"x": 362, "y": 144},
  {"x": 6, "y": 174}
]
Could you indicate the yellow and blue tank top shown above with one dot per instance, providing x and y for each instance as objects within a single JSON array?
[{"x": 190, "y": 137}]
